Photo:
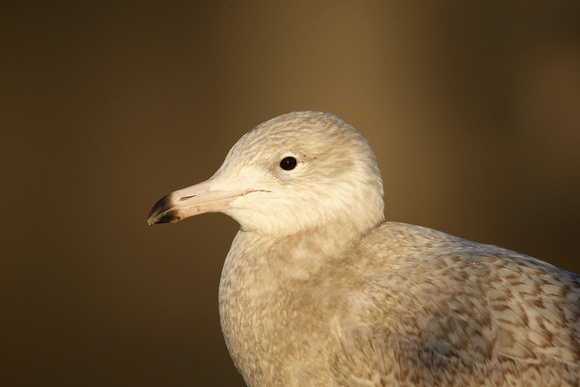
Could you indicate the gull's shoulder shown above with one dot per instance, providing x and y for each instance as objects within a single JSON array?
[
  {"x": 401, "y": 243},
  {"x": 451, "y": 298}
]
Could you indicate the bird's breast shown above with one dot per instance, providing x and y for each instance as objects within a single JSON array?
[{"x": 272, "y": 324}]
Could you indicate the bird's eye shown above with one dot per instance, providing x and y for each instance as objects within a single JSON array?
[{"x": 288, "y": 163}]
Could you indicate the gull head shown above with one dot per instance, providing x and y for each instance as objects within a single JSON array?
[{"x": 294, "y": 173}]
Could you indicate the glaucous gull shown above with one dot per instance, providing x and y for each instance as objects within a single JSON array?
[{"x": 319, "y": 290}]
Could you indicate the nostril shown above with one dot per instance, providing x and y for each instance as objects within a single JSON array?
[{"x": 186, "y": 197}]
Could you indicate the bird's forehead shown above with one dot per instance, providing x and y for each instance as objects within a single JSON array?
[{"x": 311, "y": 132}]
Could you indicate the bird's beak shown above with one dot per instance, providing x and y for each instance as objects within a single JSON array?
[{"x": 195, "y": 200}]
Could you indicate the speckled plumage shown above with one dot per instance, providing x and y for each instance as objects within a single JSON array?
[{"x": 318, "y": 290}]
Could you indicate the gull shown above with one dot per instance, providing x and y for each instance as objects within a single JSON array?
[{"x": 319, "y": 290}]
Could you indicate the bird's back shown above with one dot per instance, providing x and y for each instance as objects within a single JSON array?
[
  {"x": 404, "y": 305},
  {"x": 440, "y": 310}
]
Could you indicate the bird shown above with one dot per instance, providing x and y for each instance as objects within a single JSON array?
[{"x": 318, "y": 289}]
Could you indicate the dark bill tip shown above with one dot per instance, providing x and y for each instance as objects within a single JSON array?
[{"x": 161, "y": 212}]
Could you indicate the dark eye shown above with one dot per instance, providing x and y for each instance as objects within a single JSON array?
[{"x": 288, "y": 163}]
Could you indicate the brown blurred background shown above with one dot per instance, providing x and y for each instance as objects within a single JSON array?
[{"x": 473, "y": 109}]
